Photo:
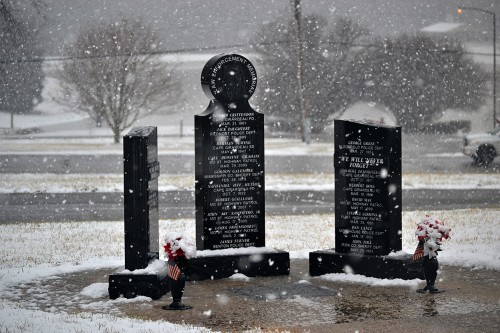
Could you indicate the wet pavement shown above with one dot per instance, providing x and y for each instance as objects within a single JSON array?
[{"x": 296, "y": 303}]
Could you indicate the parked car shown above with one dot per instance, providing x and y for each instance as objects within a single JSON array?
[{"x": 482, "y": 147}]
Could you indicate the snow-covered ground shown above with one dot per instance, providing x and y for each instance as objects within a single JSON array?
[
  {"x": 32, "y": 252},
  {"x": 71, "y": 183}
]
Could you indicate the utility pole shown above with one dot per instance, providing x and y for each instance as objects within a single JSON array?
[
  {"x": 495, "y": 120},
  {"x": 460, "y": 11},
  {"x": 305, "y": 124}
]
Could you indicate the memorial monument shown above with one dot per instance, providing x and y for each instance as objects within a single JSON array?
[
  {"x": 368, "y": 224},
  {"x": 143, "y": 273},
  {"x": 230, "y": 187}
]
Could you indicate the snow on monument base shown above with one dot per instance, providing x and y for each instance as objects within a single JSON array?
[
  {"x": 218, "y": 265},
  {"x": 384, "y": 267}
]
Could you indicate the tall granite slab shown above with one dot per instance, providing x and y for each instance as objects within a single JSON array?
[
  {"x": 229, "y": 171},
  {"x": 230, "y": 187},
  {"x": 367, "y": 164},
  {"x": 141, "y": 170},
  {"x": 368, "y": 208}
]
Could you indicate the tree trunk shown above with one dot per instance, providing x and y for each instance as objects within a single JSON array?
[
  {"x": 116, "y": 135},
  {"x": 305, "y": 124}
]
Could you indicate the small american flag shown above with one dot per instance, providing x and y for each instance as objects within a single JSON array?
[
  {"x": 173, "y": 271},
  {"x": 419, "y": 251}
]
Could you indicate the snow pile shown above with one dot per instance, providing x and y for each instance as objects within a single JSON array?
[
  {"x": 239, "y": 276},
  {"x": 96, "y": 290},
  {"x": 337, "y": 277},
  {"x": 155, "y": 267}
]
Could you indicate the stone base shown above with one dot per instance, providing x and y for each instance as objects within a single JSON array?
[
  {"x": 132, "y": 285},
  {"x": 217, "y": 266},
  {"x": 384, "y": 267}
]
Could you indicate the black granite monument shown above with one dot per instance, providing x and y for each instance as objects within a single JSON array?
[
  {"x": 230, "y": 189},
  {"x": 368, "y": 208},
  {"x": 141, "y": 172}
]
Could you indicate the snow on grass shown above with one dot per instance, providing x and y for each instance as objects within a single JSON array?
[
  {"x": 99, "y": 141},
  {"x": 95, "y": 144},
  {"x": 26, "y": 245},
  {"x": 300, "y": 181},
  {"x": 291, "y": 147},
  {"x": 300, "y": 234},
  {"x": 451, "y": 181},
  {"x": 475, "y": 239},
  {"x": 66, "y": 183},
  {"x": 38, "y": 120},
  {"x": 475, "y": 236},
  {"x": 37, "y": 251},
  {"x": 29, "y": 321},
  {"x": 81, "y": 183},
  {"x": 60, "y": 183}
]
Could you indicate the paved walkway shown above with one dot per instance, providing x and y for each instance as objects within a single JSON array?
[{"x": 297, "y": 303}]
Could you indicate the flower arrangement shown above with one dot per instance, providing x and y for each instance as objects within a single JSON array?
[
  {"x": 178, "y": 249},
  {"x": 177, "y": 246},
  {"x": 431, "y": 232}
]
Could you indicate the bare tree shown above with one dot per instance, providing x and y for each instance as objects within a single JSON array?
[
  {"x": 20, "y": 77},
  {"x": 115, "y": 75},
  {"x": 418, "y": 77},
  {"x": 325, "y": 65}
]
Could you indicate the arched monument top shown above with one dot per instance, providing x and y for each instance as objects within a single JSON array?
[{"x": 229, "y": 78}]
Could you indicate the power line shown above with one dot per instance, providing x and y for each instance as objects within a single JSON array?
[
  {"x": 180, "y": 51},
  {"x": 115, "y": 55}
]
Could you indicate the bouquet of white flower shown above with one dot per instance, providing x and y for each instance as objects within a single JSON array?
[{"x": 431, "y": 232}]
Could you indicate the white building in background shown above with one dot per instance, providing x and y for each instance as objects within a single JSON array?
[
  {"x": 368, "y": 112},
  {"x": 442, "y": 28},
  {"x": 479, "y": 51}
]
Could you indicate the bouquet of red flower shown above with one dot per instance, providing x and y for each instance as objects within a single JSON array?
[
  {"x": 431, "y": 232},
  {"x": 178, "y": 248}
]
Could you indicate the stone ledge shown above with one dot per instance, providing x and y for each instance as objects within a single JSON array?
[
  {"x": 252, "y": 264},
  {"x": 384, "y": 267},
  {"x": 132, "y": 285}
]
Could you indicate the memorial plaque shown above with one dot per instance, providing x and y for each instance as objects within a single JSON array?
[
  {"x": 141, "y": 171},
  {"x": 230, "y": 191},
  {"x": 229, "y": 154},
  {"x": 367, "y": 188},
  {"x": 368, "y": 208}
]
